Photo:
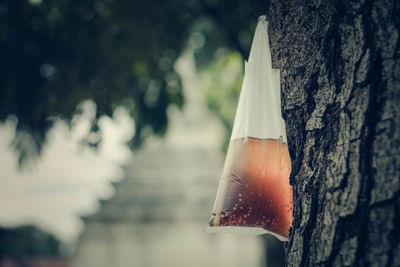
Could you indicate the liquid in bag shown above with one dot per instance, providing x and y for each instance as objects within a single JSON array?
[
  {"x": 254, "y": 190},
  {"x": 254, "y": 194}
]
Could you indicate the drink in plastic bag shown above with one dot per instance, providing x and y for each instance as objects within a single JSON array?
[
  {"x": 254, "y": 190},
  {"x": 254, "y": 194}
]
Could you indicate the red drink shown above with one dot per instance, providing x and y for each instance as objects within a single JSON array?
[{"x": 254, "y": 190}]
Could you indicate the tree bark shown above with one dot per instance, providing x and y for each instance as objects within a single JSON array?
[{"x": 340, "y": 69}]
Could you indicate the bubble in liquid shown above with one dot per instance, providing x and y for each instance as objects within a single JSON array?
[{"x": 255, "y": 180}]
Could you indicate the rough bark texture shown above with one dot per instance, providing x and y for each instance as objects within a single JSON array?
[{"x": 340, "y": 72}]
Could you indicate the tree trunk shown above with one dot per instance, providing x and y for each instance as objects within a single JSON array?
[{"x": 340, "y": 72}]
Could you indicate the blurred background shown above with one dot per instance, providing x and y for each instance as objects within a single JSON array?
[{"x": 115, "y": 118}]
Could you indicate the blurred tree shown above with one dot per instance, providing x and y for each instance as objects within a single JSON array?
[
  {"x": 56, "y": 54},
  {"x": 26, "y": 242}
]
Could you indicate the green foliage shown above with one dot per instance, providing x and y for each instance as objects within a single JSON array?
[
  {"x": 222, "y": 81},
  {"x": 57, "y": 53},
  {"x": 28, "y": 241}
]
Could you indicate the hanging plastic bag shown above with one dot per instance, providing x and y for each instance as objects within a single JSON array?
[{"x": 254, "y": 194}]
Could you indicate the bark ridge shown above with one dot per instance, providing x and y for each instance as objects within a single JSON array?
[{"x": 340, "y": 77}]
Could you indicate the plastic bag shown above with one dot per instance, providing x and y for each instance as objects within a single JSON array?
[{"x": 254, "y": 194}]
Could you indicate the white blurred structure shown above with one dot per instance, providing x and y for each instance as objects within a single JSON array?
[
  {"x": 160, "y": 211},
  {"x": 68, "y": 178}
]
